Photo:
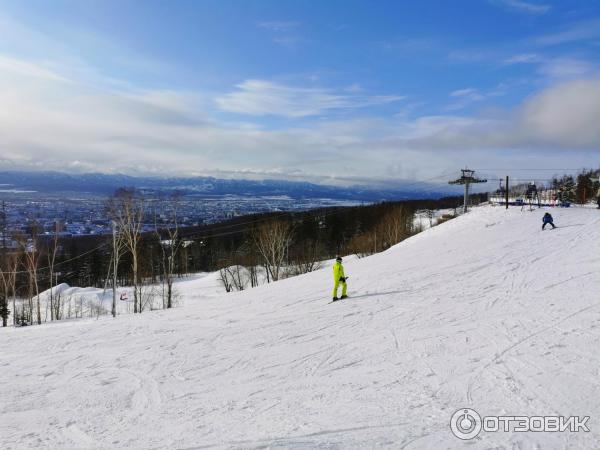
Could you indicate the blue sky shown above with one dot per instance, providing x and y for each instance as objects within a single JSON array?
[{"x": 333, "y": 91}]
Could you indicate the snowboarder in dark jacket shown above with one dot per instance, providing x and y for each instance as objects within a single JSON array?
[{"x": 548, "y": 220}]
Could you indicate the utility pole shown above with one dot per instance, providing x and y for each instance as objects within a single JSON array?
[
  {"x": 115, "y": 264},
  {"x": 506, "y": 188},
  {"x": 467, "y": 179},
  {"x": 4, "y": 226},
  {"x": 4, "y": 312}
]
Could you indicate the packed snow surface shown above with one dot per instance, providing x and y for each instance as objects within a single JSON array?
[{"x": 486, "y": 311}]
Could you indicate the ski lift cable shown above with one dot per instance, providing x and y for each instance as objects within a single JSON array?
[
  {"x": 59, "y": 263},
  {"x": 529, "y": 169},
  {"x": 320, "y": 210},
  {"x": 316, "y": 212},
  {"x": 229, "y": 233},
  {"x": 200, "y": 234}
]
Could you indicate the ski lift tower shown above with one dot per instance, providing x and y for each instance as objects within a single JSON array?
[
  {"x": 467, "y": 179},
  {"x": 532, "y": 195}
]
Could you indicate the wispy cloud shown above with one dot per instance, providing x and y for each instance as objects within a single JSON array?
[
  {"x": 284, "y": 33},
  {"x": 83, "y": 128},
  {"x": 74, "y": 102},
  {"x": 523, "y": 58},
  {"x": 556, "y": 67},
  {"x": 259, "y": 98},
  {"x": 289, "y": 41},
  {"x": 523, "y": 6},
  {"x": 278, "y": 25},
  {"x": 75, "y": 51},
  {"x": 470, "y": 93},
  {"x": 354, "y": 87},
  {"x": 466, "y": 96},
  {"x": 28, "y": 69},
  {"x": 564, "y": 68},
  {"x": 581, "y": 31}
]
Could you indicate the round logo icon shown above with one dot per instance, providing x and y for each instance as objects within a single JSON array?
[{"x": 465, "y": 423}]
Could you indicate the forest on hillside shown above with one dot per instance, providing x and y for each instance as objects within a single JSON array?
[
  {"x": 276, "y": 245},
  {"x": 247, "y": 250}
]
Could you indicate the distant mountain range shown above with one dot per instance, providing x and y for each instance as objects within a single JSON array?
[{"x": 103, "y": 184}]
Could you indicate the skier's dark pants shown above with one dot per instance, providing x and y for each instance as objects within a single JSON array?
[{"x": 546, "y": 223}]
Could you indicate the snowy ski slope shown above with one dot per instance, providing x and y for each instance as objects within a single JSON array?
[{"x": 485, "y": 311}]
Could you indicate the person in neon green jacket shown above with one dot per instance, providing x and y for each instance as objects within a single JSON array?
[{"x": 339, "y": 278}]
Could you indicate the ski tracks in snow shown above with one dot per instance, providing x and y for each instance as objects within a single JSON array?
[{"x": 483, "y": 311}]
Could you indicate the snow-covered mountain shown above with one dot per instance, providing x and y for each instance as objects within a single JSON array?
[
  {"x": 106, "y": 184},
  {"x": 486, "y": 311}
]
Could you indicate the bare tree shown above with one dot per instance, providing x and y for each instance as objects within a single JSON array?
[
  {"x": 170, "y": 247},
  {"x": 307, "y": 259},
  {"x": 272, "y": 240},
  {"x": 118, "y": 249},
  {"x": 127, "y": 208},
  {"x": 8, "y": 278},
  {"x": 225, "y": 278},
  {"x": 364, "y": 244},
  {"x": 52, "y": 251},
  {"x": 253, "y": 275},
  {"x": 249, "y": 259},
  {"x": 395, "y": 226},
  {"x": 233, "y": 274},
  {"x": 31, "y": 251},
  {"x": 430, "y": 213},
  {"x": 7, "y": 287}
]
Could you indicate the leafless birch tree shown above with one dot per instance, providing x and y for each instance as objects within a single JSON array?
[
  {"x": 170, "y": 247},
  {"x": 272, "y": 241},
  {"x": 52, "y": 251},
  {"x": 127, "y": 209},
  {"x": 31, "y": 252}
]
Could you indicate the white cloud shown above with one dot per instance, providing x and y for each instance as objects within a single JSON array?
[
  {"x": 564, "y": 116},
  {"x": 46, "y": 123},
  {"x": 467, "y": 96},
  {"x": 259, "y": 98},
  {"x": 523, "y": 6},
  {"x": 581, "y": 31},
  {"x": 567, "y": 68},
  {"x": 523, "y": 58},
  {"x": 560, "y": 68},
  {"x": 283, "y": 33},
  {"x": 470, "y": 93},
  {"x": 288, "y": 41},
  {"x": 28, "y": 69},
  {"x": 354, "y": 87}
]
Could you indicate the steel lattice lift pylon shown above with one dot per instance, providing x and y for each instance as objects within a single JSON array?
[
  {"x": 531, "y": 195},
  {"x": 467, "y": 179}
]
